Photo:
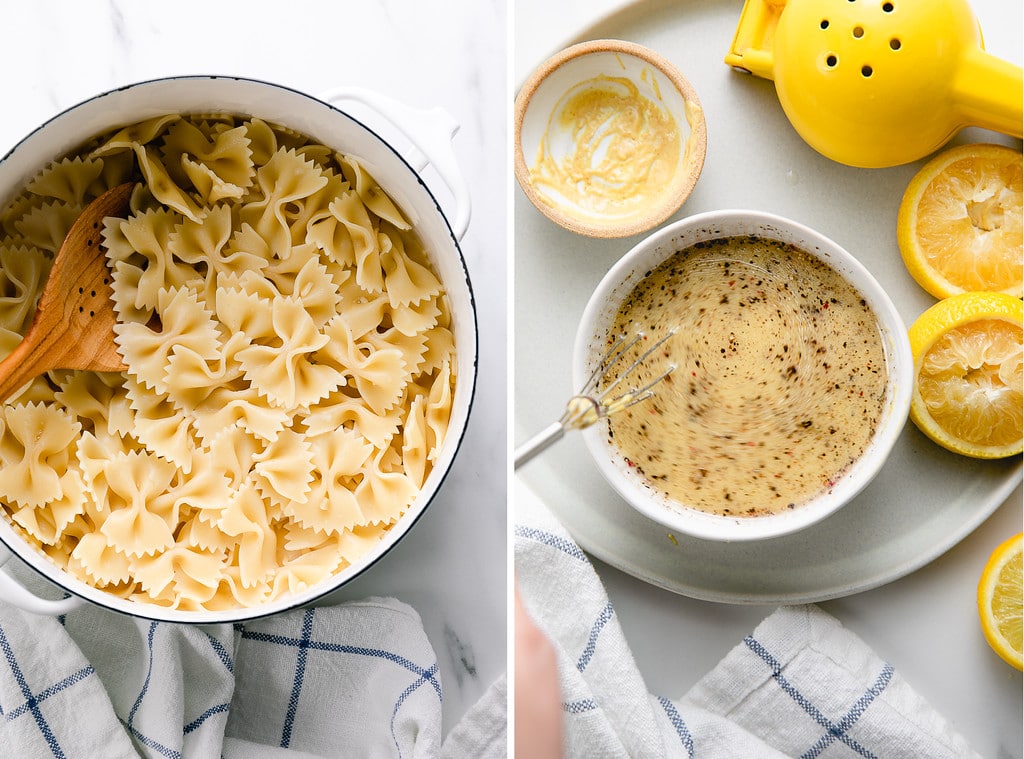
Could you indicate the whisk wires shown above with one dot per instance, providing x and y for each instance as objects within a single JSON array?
[
  {"x": 594, "y": 402},
  {"x": 585, "y": 407}
]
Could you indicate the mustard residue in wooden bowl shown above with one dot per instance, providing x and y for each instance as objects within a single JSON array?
[{"x": 608, "y": 150}]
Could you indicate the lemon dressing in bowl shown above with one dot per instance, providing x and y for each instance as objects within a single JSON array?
[
  {"x": 780, "y": 381},
  {"x": 792, "y": 377}
]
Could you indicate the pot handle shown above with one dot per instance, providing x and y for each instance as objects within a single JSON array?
[
  {"x": 16, "y": 594},
  {"x": 430, "y": 131}
]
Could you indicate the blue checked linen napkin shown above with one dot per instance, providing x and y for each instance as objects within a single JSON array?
[
  {"x": 800, "y": 685},
  {"x": 353, "y": 680}
]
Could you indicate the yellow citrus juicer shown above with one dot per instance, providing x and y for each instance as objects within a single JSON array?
[{"x": 875, "y": 83}]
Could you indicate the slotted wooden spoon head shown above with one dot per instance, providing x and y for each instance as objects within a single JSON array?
[{"x": 73, "y": 327}]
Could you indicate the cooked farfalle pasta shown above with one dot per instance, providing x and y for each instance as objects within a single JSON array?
[
  {"x": 290, "y": 366},
  {"x": 23, "y": 270}
]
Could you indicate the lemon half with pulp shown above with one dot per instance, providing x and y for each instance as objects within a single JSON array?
[
  {"x": 968, "y": 356},
  {"x": 959, "y": 225}
]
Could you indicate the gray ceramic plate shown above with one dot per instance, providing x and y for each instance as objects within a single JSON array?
[{"x": 925, "y": 499}]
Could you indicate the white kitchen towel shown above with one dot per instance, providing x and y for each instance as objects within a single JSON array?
[
  {"x": 800, "y": 685},
  {"x": 354, "y": 680}
]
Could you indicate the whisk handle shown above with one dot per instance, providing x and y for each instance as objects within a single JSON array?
[{"x": 539, "y": 442}]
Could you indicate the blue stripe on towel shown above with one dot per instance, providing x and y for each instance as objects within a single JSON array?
[
  {"x": 588, "y": 653},
  {"x": 129, "y": 725},
  {"x": 859, "y": 706},
  {"x": 428, "y": 675},
  {"x": 53, "y": 690},
  {"x": 581, "y": 706},
  {"x": 306, "y": 643},
  {"x": 300, "y": 674},
  {"x": 149, "y": 673},
  {"x": 677, "y": 722},
  {"x": 30, "y": 700},
  {"x": 222, "y": 653},
  {"x": 550, "y": 539},
  {"x": 835, "y": 730},
  {"x": 198, "y": 721},
  {"x": 148, "y": 742}
]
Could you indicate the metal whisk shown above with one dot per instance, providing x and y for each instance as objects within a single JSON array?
[{"x": 588, "y": 406}]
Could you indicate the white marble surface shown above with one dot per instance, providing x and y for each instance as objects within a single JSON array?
[
  {"x": 925, "y": 624},
  {"x": 56, "y": 53}
]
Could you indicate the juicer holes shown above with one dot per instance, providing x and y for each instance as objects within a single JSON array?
[
  {"x": 824, "y": 23},
  {"x": 831, "y": 61},
  {"x": 858, "y": 32},
  {"x": 887, "y": 7},
  {"x": 895, "y": 44},
  {"x": 866, "y": 71}
]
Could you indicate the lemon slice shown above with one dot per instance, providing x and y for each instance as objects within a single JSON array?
[
  {"x": 1000, "y": 600},
  {"x": 968, "y": 358},
  {"x": 959, "y": 226}
]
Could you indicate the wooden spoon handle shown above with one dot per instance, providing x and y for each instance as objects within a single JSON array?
[{"x": 31, "y": 358}]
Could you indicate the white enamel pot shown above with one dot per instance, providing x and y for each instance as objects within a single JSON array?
[{"x": 324, "y": 119}]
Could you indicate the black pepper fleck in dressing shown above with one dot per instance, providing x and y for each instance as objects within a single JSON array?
[{"x": 779, "y": 384}]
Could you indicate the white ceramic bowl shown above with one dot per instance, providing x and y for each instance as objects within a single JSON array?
[
  {"x": 599, "y": 316},
  {"x": 429, "y": 131},
  {"x": 543, "y": 97}
]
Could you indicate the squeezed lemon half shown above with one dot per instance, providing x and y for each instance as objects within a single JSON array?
[
  {"x": 959, "y": 226},
  {"x": 968, "y": 356}
]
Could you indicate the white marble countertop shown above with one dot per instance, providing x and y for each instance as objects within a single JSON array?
[
  {"x": 925, "y": 624},
  {"x": 451, "y": 567}
]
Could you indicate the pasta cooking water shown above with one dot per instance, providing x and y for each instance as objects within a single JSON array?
[{"x": 290, "y": 366}]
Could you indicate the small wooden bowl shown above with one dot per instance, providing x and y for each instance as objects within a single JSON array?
[{"x": 542, "y": 99}]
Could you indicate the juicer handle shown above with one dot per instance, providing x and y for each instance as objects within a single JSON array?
[
  {"x": 430, "y": 131},
  {"x": 16, "y": 594},
  {"x": 988, "y": 93}
]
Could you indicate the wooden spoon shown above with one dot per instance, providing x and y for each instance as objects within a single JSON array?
[{"x": 73, "y": 327}]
